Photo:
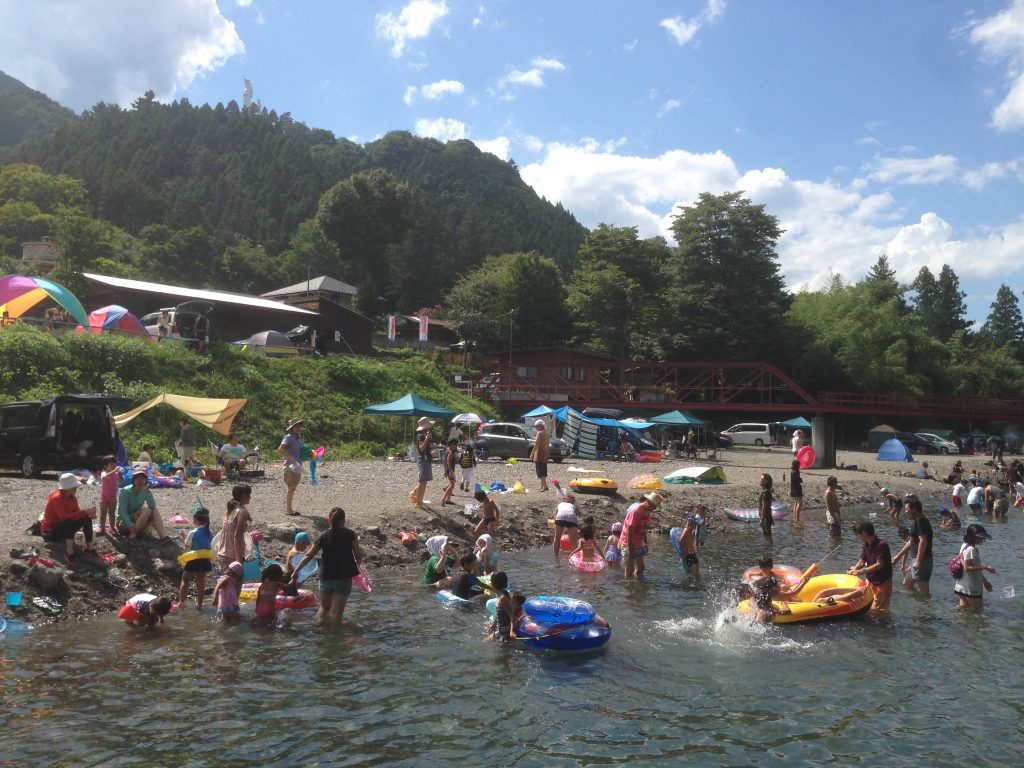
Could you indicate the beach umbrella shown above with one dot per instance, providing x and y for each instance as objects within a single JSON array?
[
  {"x": 18, "y": 294},
  {"x": 117, "y": 319},
  {"x": 467, "y": 418}
]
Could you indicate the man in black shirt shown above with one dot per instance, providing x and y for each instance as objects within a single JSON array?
[{"x": 919, "y": 545}]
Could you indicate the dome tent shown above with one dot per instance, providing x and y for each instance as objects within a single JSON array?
[{"x": 894, "y": 450}]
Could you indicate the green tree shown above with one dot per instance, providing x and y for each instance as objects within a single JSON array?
[
  {"x": 939, "y": 304},
  {"x": 882, "y": 283},
  {"x": 1004, "y": 326},
  {"x": 79, "y": 241},
  {"x": 728, "y": 297}
]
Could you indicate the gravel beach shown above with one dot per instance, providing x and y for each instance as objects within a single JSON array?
[{"x": 375, "y": 497}]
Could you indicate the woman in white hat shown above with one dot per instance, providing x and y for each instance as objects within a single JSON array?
[
  {"x": 291, "y": 449},
  {"x": 424, "y": 470},
  {"x": 63, "y": 518}
]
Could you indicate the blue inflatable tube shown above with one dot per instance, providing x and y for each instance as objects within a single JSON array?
[
  {"x": 560, "y": 637},
  {"x": 448, "y": 597},
  {"x": 559, "y": 610}
]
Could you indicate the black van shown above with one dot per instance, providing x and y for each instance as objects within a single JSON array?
[{"x": 61, "y": 433}]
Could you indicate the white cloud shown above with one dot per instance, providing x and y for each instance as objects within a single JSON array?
[
  {"x": 83, "y": 53},
  {"x": 533, "y": 77},
  {"x": 243, "y": 3},
  {"x": 433, "y": 91},
  {"x": 684, "y": 30},
  {"x": 1001, "y": 38},
  {"x": 498, "y": 147},
  {"x": 413, "y": 22},
  {"x": 668, "y": 106},
  {"x": 441, "y": 128},
  {"x": 867, "y": 141},
  {"x": 828, "y": 227},
  {"x": 913, "y": 170},
  {"x": 478, "y": 19}
]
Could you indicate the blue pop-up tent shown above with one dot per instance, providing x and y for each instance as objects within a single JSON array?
[
  {"x": 894, "y": 450},
  {"x": 798, "y": 423},
  {"x": 407, "y": 405},
  {"x": 540, "y": 410},
  {"x": 677, "y": 419}
]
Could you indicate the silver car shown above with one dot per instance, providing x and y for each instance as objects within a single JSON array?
[{"x": 506, "y": 440}]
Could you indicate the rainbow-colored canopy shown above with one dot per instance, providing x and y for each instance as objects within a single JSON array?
[
  {"x": 18, "y": 294},
  {"x": 118, "y": 319}
]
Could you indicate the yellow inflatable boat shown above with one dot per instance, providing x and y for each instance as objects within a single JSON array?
[
  {"x": 600, "y": 485},
  {"x": 812, "y": 603}
]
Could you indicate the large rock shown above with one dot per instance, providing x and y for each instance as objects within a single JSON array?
[
  {"x": 167, "y": 567},
  {"x": 283, "y": 531},
  {"x": 50, "y": 580}
]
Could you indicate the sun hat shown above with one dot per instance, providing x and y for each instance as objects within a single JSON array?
[
  {"x": 435, "y": 544},
  {"x": 67, "y": 481},
  {"x": 294, "y": 423},
  {"x": 978, "y": 531},
  {"x": 884, "y": 489},
  {"x": 655, "y": 498},
  {"x": 539, "y": 424},
  {"x": 616, "y": 527},
  {"x": 424, "y": 423},
  {"x": 302, "y": 538},
  {"x": 237, "y": 567},
  {"x": 140, "y": 473},
  {"x": 943, "y": 511}
]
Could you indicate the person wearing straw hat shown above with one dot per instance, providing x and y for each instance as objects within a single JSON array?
[
  {"x": 63, "y": 518},
  {"x": 424, "y": 470},
  {"x": 291, "y": 449},
  {"x": 633, "y": 539}
]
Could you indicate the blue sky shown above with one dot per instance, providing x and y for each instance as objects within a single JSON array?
[{"x": 866, "y": 127}]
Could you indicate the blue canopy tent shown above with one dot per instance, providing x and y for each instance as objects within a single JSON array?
[
  {"x": 407, "y": 405},
  {"x": 540, "y": 410},
  {"x": 894, "y": 450},
  {"x": 798, "y": 423},
  {"x": 677, "y": 419}
]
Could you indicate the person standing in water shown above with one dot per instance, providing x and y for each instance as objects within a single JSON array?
[
  {"x": 764, "y": 508},
  {"x": 796, "y": 490},
  {"x": 919, "y": 544},
  {"x": 832, "y": 507},
  {"x": 875, "y": 565}
]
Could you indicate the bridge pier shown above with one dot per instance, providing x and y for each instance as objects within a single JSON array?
[{"x": 823, "y": 441}]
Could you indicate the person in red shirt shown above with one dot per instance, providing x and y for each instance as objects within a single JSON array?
[
  {"x": 633, "y": 539},
  {"x": 63, "y": 518}
]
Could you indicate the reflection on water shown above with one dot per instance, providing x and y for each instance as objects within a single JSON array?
[{"x": 683, "y": 678}]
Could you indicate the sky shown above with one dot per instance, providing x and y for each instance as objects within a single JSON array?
[{"x": 866, "y": 127}]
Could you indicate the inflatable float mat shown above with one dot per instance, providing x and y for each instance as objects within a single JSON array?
[
  {"x": 646, "y": 483},
  {"x": 779, "y": 511},
  {"x": 448, "y": 597},
  {"x": 600, "y": 485},
  {"x": 304, "y": 599}
]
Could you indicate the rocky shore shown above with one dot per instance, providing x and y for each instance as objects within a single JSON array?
[{"x": 375, "y": 497}]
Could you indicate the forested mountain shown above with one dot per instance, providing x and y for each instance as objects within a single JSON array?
[
  {"x": 251, "y": 178},
  {"x": 26, "y": 115}
]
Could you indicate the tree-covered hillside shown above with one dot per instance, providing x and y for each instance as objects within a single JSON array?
[{"x": 26, "y": 115}]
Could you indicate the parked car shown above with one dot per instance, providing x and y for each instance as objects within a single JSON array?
[
  {"x": 749, "y": 433},
  {"x": 61, "y": 433},
  {"x": 939, "y": 444},
  {"x": 915, "y": 443},
  {"x": 183, "y": 320},
  {"x": 509, "y": 440}
]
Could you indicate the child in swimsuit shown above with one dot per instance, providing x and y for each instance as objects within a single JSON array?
[
  {"x": 302, "y": 542},
  {"x": 489, "y": 512},
  {"x": 266, "y": 596},
  {"x": 611, "y": 544},
  {"x": 486, "y": 554},
  {"x": 225, "y": 594},
  {"x": 200, "y": 537},
  {"x": 145, "y": 610},
  {"x": 502, "y": 628},
  {"x": 110, "y": 479},
  {"x": 586, "y": 545}
]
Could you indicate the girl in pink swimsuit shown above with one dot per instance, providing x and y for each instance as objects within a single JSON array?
[{"x": 266, "y": 597}]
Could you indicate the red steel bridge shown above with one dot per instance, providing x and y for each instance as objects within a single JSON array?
[{"x": 567, "y": 377}]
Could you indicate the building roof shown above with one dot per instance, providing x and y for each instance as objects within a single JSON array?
[
  {"x": 322, "y": 284},
  {"x": 196, "y": 293}
]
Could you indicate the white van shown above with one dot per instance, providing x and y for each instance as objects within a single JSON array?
[{"x": 752, "y": 434}]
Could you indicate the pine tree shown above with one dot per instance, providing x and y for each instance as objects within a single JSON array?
[{"x": 1004, "y": 326}]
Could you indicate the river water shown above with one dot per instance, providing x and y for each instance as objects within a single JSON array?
[{"x": 414, "y": 685}]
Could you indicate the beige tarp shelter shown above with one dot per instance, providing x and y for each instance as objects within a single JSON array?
[{"x": 215, "y": 413}]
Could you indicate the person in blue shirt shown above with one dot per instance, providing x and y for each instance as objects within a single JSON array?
[{"x": 199, "y": 538}]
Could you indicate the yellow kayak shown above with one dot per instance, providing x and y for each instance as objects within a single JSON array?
[{"x": 804, "y": 608}]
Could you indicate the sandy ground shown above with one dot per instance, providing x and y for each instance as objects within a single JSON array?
[{"x": 375, "y": 497}]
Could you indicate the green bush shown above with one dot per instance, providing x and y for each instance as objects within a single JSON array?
[{"x": 329, "y": 393}]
